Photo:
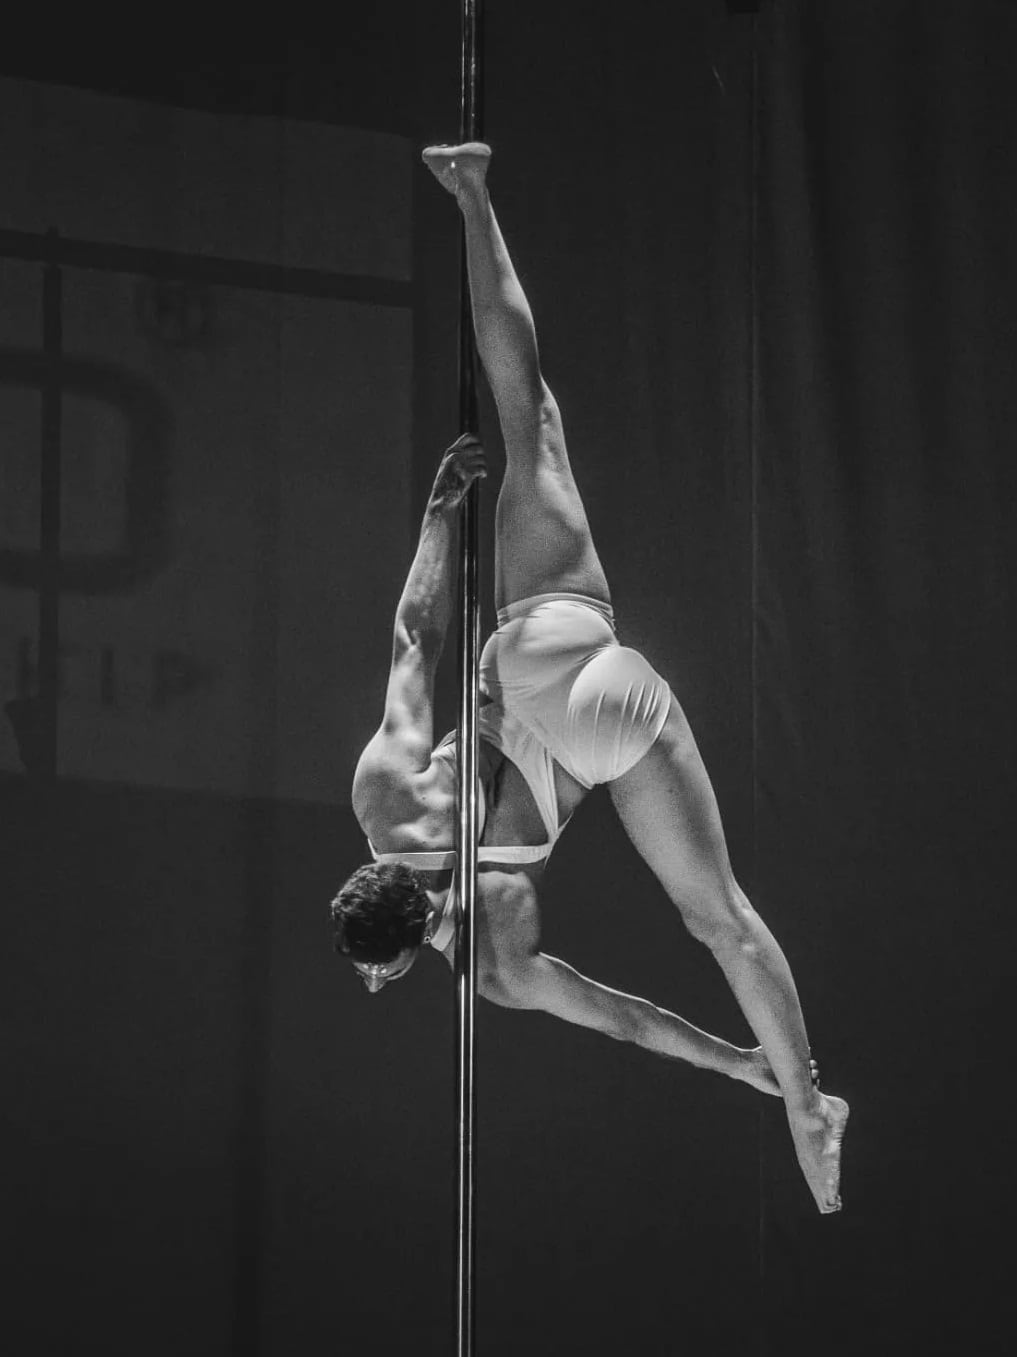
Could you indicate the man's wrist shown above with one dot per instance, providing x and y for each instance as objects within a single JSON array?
[{"x": 438, "y": 507}]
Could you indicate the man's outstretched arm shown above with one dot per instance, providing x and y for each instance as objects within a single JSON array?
[
  {"x": 553, "y": 986},
  {"x": 403, "y": 743},
  {"x": 516, "y": 974}
]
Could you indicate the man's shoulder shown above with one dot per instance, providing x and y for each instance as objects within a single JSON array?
[
  {"x": 380, "y": 788},
  {"x": 388, "y": 793}
]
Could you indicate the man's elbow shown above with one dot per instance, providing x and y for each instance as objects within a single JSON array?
[{"x": 508, "y": 986}]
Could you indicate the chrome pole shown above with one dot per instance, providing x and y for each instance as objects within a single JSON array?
[{"x": 468, "y": 791}]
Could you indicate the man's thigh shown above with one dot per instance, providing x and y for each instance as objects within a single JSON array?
[
  {"x": 668, "y": 808},
  {"x": 544, "y": 544}
]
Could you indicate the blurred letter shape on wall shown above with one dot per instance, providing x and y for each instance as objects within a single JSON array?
[{"x": 235, "y": 456}]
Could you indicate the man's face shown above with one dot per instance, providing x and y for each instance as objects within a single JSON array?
[{"x": 377, "y": 974}]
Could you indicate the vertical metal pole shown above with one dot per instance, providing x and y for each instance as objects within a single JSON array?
[
  {"x": 469, "y": 658},
  {"x": 755, "y": 411},
  {"x": 49, "y": 523}
]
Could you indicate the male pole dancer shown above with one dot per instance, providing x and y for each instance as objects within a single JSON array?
[{"x": 567, "y": 708}]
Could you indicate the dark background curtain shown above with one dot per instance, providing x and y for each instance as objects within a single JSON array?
[{"x": 771, "y": 262}]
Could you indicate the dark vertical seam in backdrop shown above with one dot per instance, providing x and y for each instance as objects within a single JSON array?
[{"x": 44, "y": 726}]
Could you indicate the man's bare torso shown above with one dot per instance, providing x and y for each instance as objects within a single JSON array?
[{"x": 419, "y": 814}]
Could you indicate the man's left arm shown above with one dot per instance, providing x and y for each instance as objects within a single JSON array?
[{"x": 516, "y": 974}]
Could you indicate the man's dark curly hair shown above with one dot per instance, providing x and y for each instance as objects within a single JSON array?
[{"x": 380, "y": 911}]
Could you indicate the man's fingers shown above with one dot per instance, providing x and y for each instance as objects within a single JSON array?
[
  {"x": 469, "y": 474},
  {"x": 471, "y": 462},
  {"x": 465, "y": 440},
  {"x": 465, "y": 461}
]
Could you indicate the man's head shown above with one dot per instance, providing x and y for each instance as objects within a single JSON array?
[{"x": 380, "y": 917}]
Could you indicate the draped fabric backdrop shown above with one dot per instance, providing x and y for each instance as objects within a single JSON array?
[{"x": 771, "y": 263}]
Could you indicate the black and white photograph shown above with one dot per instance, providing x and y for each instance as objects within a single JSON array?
[{"x": 507, "y": 743}]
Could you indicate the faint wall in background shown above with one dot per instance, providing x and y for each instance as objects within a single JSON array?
[{"x": 235, "y": 436}]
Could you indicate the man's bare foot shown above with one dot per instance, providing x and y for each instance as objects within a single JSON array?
[
  {"x": 817, "y": 1135},
  {"x": 458, "y": 168}
]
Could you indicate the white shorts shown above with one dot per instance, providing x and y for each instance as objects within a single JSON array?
[{"x": 555, "y": 664}]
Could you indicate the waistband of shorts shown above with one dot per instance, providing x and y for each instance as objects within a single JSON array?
[{"x": 523, "y": 606}]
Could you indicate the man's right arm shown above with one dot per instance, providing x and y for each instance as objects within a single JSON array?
[{"x": 401, "y": 747}]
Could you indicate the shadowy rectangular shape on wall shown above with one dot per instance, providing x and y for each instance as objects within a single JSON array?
[{"x": 236, "y": 451}]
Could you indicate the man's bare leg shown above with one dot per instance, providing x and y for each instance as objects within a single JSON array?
[
  {"x": 669, "y": 811},
  {"x": 540, "y": 511},
  {"x": 666, "y": 803}
]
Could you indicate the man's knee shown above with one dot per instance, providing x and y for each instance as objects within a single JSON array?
[
  {"x": 531, "y": 423},
  {"x": 722, "y": 920},
  {"x": 522, "y": 398}
]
